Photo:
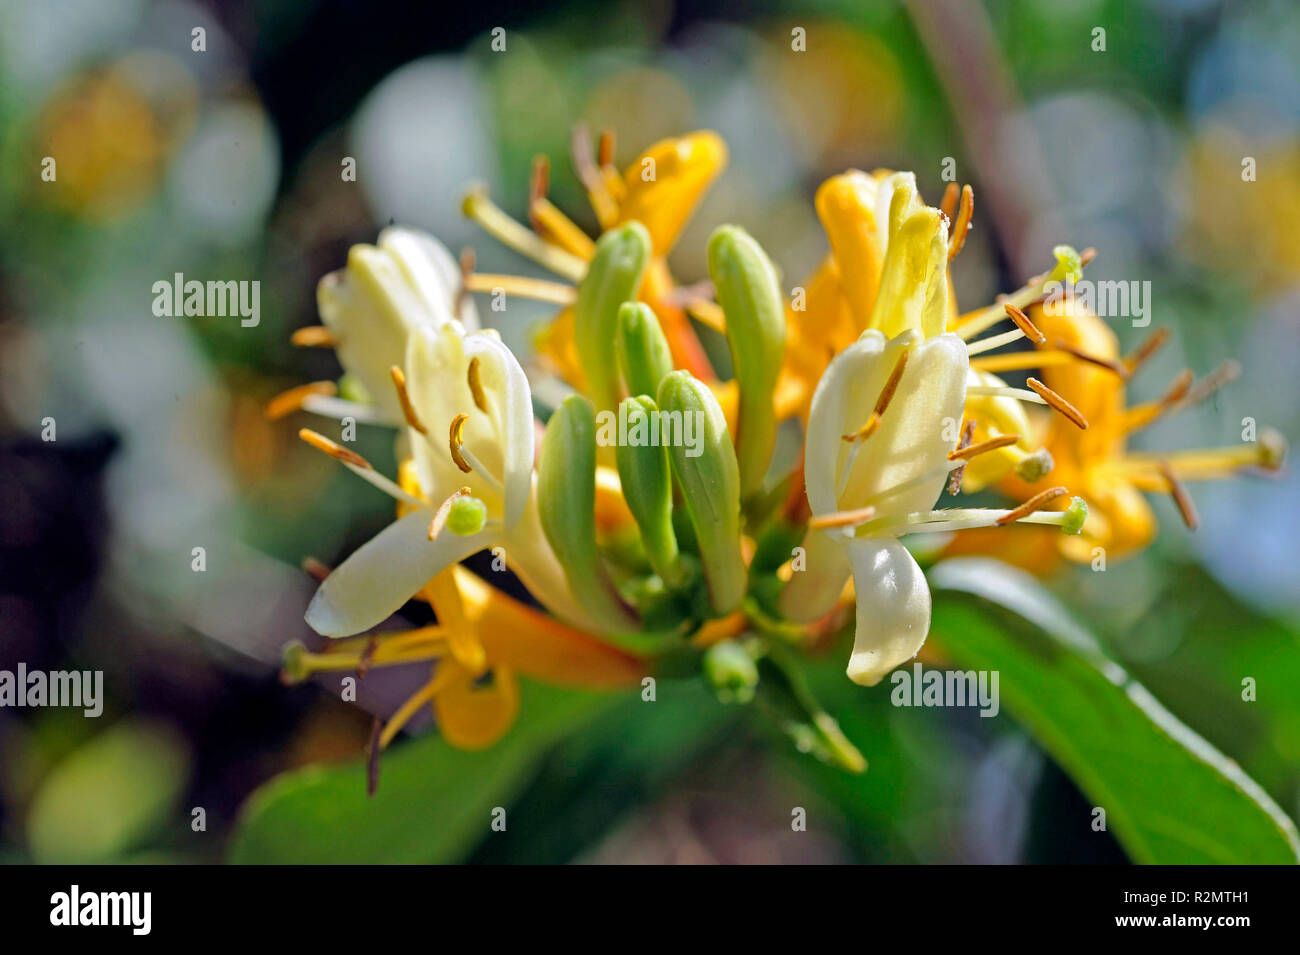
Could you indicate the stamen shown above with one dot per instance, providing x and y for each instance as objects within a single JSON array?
[
  {"x": 949, "y": 204},
  {"x": 340, "y": 408},
  {"x": 359, "y": 466},
  {"x": 965, "y": 453},
  {"x": 457, "y": 441},
  {"x": 540, "y": 290},
  {"x": 367, "y": 656},
  {"x": 440, "y": 515},
  {"x": 1058, "y": 403},
  {"x": 1179, "y": 491},
  {"x": 994, "y": 341},
  {"x": 417, "y": 701},
  {"x": 333, "y": 449},
  {"x": 605, "y": 148},
  {"x": 404, "y": 397},
  {"x": 292, "y": 400},
  {"x": 315, "y": 568},
  {"x": 959, "y": 472},
  {"x": 843, "y": 518},
  {"x": 962, "y": 225},
  {"x": 1086, "y": 256},
  {"x": 1033, "y": 504},
  {"x": 464, "y": 458},
  {"x": 1203, "y": 464},
  {"x": 1226, "y": 373},
  {"x": 1024, "y": 324},
  {"x": 506, "y": 230},
  {"x": 584, "y": 165},
  {"x": 1020, "y": 360},
  {"x": 1149, "y": 346},
  {"x": 539, "y": 183},
  {"x": 313, "y": 336},
  {"x": 882, "y": 402},
  {"x": 1119, "y": 368},
  {"x": 1140, "y": 416},
  {"x": 476, "y": 385}
]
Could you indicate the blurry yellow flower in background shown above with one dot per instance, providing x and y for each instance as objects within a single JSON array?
[{"x": 111, "y": 131}]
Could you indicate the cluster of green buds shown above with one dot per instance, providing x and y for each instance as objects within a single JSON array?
[{"x": 668, "y": 571}]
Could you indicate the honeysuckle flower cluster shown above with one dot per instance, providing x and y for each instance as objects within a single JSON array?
[{"x": 722, "y": 559}]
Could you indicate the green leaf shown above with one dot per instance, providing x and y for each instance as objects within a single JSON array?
[
  {"x": 433, "y": 804},
  {"x": 1169, "y": 796}
]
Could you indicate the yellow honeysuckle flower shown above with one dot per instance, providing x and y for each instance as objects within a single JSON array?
[
  {"x": 874, "y": 476},
  {"x": 857, "y": 288},
  {"x": 660, "y": 189},
  {"x": 1097, "y": 463}
]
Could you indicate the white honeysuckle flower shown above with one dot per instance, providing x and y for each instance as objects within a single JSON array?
[
  {"x": 407, "y": 280},
  {"x": 467, "y": 399},
  {"x": 898, "y": 470}
]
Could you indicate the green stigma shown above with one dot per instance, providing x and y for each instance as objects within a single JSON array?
[
  {"x": 1069, "y": 264},
  {"x": 1075, "y": 515},
  {"x": 294, "y": 666},
  {"x": 466, "y": 516}
]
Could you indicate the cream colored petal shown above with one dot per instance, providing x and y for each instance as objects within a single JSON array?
[
  {"x": 919, "y": 428},
  {"x": 432, "y": 272},
  {"x": 510, "y": 407},
  {"x": 384, "y": 573},
  {"x": 811, "y": 593},
  {"x": 893, "y": 608},
  {"x": 840, "y": 398}
]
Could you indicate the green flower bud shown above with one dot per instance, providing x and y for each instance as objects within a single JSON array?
[
  {"x": 750, "y": 296},
  {"x": 705, "y": 468},
  {"x": 613, "y": 277},
  {"x": 1075, "y": 516},
  {"x": 731, "y": 672},
  {"x": 648, "y": 488},
  {"x": 566, "y": 503},
  {"x": 643, "y": 355},
  {"x": 466, "y": 516}
]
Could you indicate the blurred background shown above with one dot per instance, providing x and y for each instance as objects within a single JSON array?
[{"x": 225, "y": 163}]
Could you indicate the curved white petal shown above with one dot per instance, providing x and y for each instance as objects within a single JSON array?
[
  {"x": 893, "y": 608},
  {"x": 811, "y": 593},
  {"x": 510, "y": 405},
  {"x": 838, "y": 392},
  {"x": 432, "y": 273},
  {"x": 384, "y": 573}
]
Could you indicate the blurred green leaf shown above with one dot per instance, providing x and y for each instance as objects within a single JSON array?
[
  {"x": 108, "y": 795},
  {"x": 433, "y": 803},
  {"x": 1169, "y": 796}
]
